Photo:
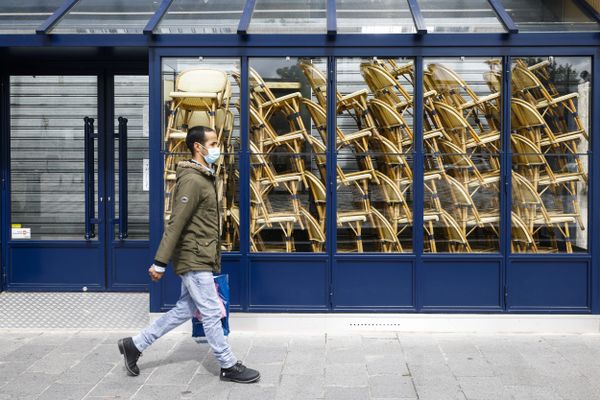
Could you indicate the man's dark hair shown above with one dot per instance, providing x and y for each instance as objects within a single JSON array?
[{"x": 196, "y": 134}]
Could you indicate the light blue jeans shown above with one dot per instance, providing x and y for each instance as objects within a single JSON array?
[{"x": 198, "y": 292}]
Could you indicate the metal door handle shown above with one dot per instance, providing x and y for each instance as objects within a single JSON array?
[
  {"x": 88, "y": 164},
  {"x": 123, "y": 195}
]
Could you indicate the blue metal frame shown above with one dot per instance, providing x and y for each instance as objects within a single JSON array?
[
  {"x": 505, "y": 169},
  {"x": 418, "y": 181},
  {"x": 417, "y": 17},
  {"x": 331, "y": 175},
  {"x": 55, "y": 18},
  {"x": 331, "y": 18},
  {"x": 503, "y": 16},
  {"x": 594, "y": 178},
  {"x": 349, "y": 41},
  {"x": 157, "y": 17},
  {"x": 418, "y": 46},
  {"x": 244, "y": 200},
  {"x": 497, "y": 262},
  {"x": 246, "y": 17}
]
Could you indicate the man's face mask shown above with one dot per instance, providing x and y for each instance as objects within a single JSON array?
[{"x": 213, "y": 154}]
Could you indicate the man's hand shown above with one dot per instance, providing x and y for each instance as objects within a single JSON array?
[{"x": 155, "y": 276}]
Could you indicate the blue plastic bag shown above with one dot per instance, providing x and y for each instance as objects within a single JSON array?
[{"x": 222, "y": 285}]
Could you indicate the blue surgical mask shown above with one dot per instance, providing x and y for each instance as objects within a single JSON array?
[{"x": 213, "y": 155}]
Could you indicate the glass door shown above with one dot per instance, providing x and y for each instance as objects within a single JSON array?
[
  {"x": 78, "y": 182},
  {"x": 56, "y": 190},
  {"x": 129, "y": 184}
]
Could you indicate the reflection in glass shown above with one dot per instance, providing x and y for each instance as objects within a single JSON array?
[
  {"x": 386, "y": 16},
  {"x": 548, "y": 16},
  {"x": 207, "y": 16},
  {"x": 462, "y": 162},
  {"x": 203, "y": 92},
  {"x": 459, "y": 16},
  {"x": 549, "y": 139},
  {"x": 275, "y": 16},
  {"x": 374, "y": 145},
  {"x": 288, "y": 139}
]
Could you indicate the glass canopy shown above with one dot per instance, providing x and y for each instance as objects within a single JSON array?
[
  {"x": 208, "y": 16},
  {"x": 294, "y": 17},
  {"x": 459, "y": 16},
  {"x": 24, "y": 16},
  {"x": 385, "y": 16},
  {"x": 107, "y": 16},
  {"x": 548, "y": 16},
  {"x": 281, "y": 16}
]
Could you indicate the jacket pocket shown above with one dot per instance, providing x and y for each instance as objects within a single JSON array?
[{"x": 206, "y": 250}]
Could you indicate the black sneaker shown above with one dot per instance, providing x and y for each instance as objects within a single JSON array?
[
  {"x": 131, "y": 355},
  {"x": 239, "y": 373}
]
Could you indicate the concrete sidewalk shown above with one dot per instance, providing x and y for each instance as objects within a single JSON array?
[{"x": 74, "y": 364}]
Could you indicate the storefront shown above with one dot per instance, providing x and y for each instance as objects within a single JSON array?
[{"x": 454, "y": 169}]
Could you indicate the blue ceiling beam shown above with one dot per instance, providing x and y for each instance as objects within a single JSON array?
[
  {"x": 588, "y": 9},
  {"x": 157, "y": 17},
  {"x": 246, "y": 17},
  {"x": 503, "y": 16},
  {"x": 331, "y": 18},
  {"x": 417, "y": 17},
  {"x": 52, "y": 20}
]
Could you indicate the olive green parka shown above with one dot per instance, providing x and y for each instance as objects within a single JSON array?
[{"x": 191, "y": 239}]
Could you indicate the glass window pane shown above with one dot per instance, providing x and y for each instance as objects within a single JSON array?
[
  {"x": 548, "y": 16},
  {"x": 550, "y": 117},
  {"x": 24, "y": 16},
  {"x": 131, "y": 103},
  {"x": 288, "y": 140},
  {"x": 459, "y": 16},
  {"x": 47, "y": 154},
  {"x": 107, "y": 16},
  {"x": 277, "y": 16},
  {"x": 208, "y": 16},
  {"x": 374, "y": 142},
  {"x": 215, "y": 108},
  {"x": 462, "y": 161},
  {"x": 386, "y": 16}
]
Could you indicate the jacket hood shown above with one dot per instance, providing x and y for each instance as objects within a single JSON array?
[{"x": 189, "y": 167}]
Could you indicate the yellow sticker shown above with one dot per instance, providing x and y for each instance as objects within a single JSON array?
[{"x": 16, "y": 225}]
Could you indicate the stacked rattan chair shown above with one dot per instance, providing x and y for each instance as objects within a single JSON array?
[
  {"x": 549, "y": 175},
  {"x": 202, "y": 96},
  {"x": 277, "y": 131}
]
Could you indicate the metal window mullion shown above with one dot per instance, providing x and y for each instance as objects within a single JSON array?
[
  {"x": 331, "y": 18},
  {"x": 331, "y": 163},
  {"x": 503, "y": 16},
  {"x": 244, "y": 182},
  {"x": 55, "y": 18},
  {"x": 594, "y": 182},
  {"x": 157, "y": 186},
  {"x": 418, "y": 180},
  {"x": 161, "y": 11},
  {"x": 505, "y": 175},
  {"x": 246, "y": 17},
  {"x": 417, "y": 17}
]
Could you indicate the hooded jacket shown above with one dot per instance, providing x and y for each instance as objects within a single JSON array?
[{"x": 191, "y": 239}]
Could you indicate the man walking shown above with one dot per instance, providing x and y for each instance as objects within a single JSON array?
[{"x": 192, "y": 242}]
